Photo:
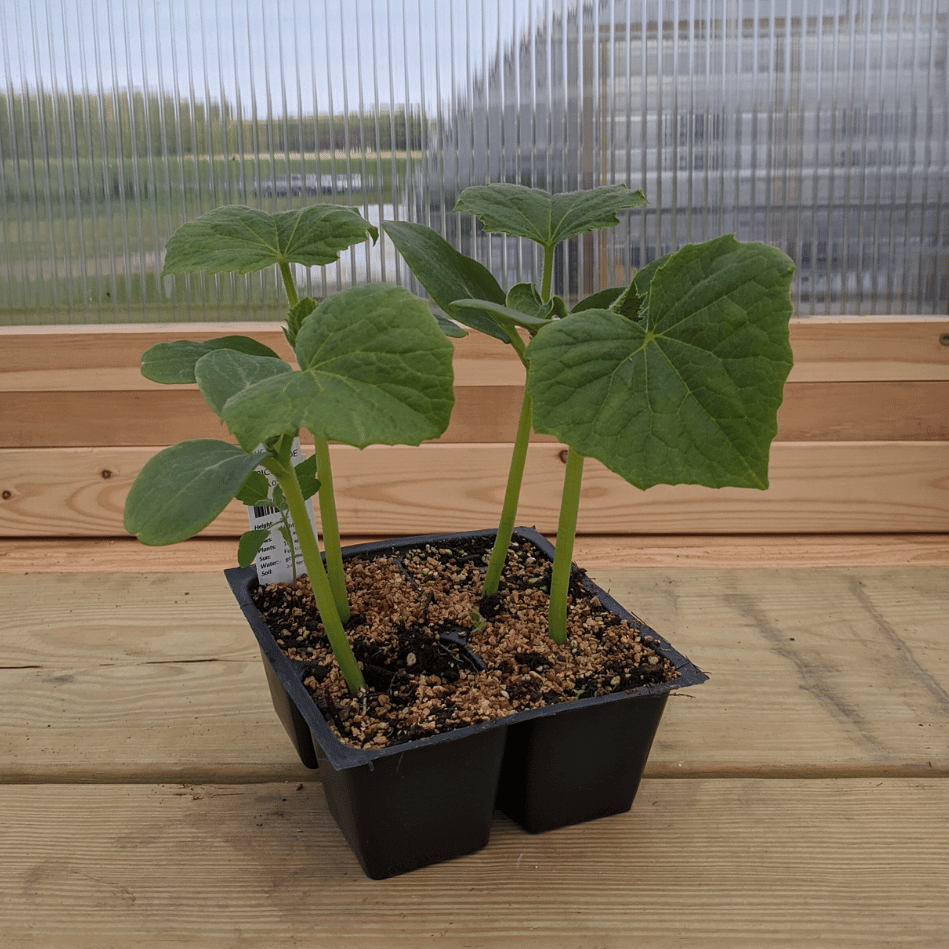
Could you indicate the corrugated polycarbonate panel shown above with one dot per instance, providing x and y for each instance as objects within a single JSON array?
[{"x": 820, "y": 127}]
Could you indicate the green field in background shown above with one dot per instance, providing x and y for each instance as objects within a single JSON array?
[{"x": 82, "y": 240}]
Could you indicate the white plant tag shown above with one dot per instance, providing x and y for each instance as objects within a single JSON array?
[{"x": 274, "y": 563}]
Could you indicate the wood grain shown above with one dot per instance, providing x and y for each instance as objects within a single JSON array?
[
  {"x": 108, "y": 358},
  {"x": 842, "y": 349},
  {"x": 840, "y": 411},
  {"x": 736, "y": 864},
  {"x": 816, "y": 487},
  {"x": 831, "y": 672},
  {"x": 31, "y": 555}
]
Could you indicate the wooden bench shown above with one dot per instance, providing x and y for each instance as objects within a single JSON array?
[{"x": 148, "y": 795}]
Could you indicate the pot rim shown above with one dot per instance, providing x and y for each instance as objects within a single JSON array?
[{"x": 342, "y": 756}]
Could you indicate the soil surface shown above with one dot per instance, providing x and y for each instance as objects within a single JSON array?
[{"x": 412, "y": 615}]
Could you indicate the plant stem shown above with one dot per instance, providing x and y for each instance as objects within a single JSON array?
[
  {"x": 511, "y": 494},
  {"x": 330, "y": 523},
  {"x": 563, "y": 554},
  {"x": 319, "y": 581},
  {"x": 288, "y": 283},
  {"x": 515, "y": 477},
  {"x": 548, "y": 273}
]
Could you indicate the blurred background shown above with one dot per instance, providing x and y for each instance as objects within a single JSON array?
[{"x": 818, "y": 126}]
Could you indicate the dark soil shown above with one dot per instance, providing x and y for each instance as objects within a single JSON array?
[{"x": 413, "y": 614}]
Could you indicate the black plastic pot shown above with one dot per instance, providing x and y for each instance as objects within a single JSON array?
[{"x": 429, "y": 800}]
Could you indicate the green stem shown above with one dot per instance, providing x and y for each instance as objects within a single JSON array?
[
  {"x": 563, "y": 555},
  {"x": 511, "y": 494},
  {"x": 548, "y": 273},
  {"x": 288, "y": 283},
  {"x": 319, "y": 581},
  {"x": 330, "y": 523}
]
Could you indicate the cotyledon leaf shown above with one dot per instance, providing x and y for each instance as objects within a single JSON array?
[
  {"x": 173, "y": 363},
  {"x": 447, "y": 274},
  {"x": 183, "y": 488}
]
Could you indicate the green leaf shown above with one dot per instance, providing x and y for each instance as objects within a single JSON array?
[
  {"x": 255, "y": 490},
  {"x": 223, "y": 373},
  {"x": 182, "y": 489},
  {"x": 173, "y": 363},
  {"x": 546, "y": 219},
  {"x": 249, "y": 545},
  {"x": 306, "y": 477},
  {"x": 376, "y": 370},
  {"x": 446, "y": 274},
  {"x": 504, "y": 314},
  {"x": 236, "y": 239},
  {"x": 689, "y": 393},
  {"x": 449, "y": 327},
  {"x": 525, "y": 298},
  {"x": 602, "y": 300},
  {"x": 631, "y": 301},
  {"x": 296, "y": 316}
]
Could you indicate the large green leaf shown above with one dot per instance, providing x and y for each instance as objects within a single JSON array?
[
  {"x": 689, "y": 391},
  {"x": 546, "y": 218},
  {"x": 241, "y": 240},
  {"x": 375, "y": 370},
  {"x": 447, "y": 275},
  {"x": 173, "y": 363},
  {"x": 182, "y": 489},
  {"x": 223, "y": 373}
]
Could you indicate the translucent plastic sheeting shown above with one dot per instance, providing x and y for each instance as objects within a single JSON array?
[{"x": 820, "y": 127}]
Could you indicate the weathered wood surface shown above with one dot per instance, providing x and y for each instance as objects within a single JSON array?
[
  {"x": 863, "y": 441},
  {"x": 799, "y": 798},
  {"x": 91, "y": 358},
  {"x": 123, "y": 676},
  {"x": 822, "y": 411},
  {"x": 718, "y": 864},
  {"x": 594, "y": 551},
  {"x": 816, "y": 487}
]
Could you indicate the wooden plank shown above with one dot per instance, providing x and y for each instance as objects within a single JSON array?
[
  {"x": 31, "y": 555},
  {"x": 843, "y": 349},
  {"x": 870, "y": 348},
  {"x": 840, "y": 411},
  {"x": 718, "y": 864},
  {"x": 131, "y": 677},
  {"x": 108, "y": 358},
  {"x": 850, "y": 487}
]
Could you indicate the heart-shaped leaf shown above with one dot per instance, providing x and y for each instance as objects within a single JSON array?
[
  {"x": 375, "y": 370},
  {"x": 689, "y": 392},
  {"x": 546, "y": 219},
  {"x": 173, "y": 363},
  {"x": 223, "y": 373},
  {"x": 237, "y": 239},
  {"x": 182, "y": 489},
  {"x": 447, "y": 275}
]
